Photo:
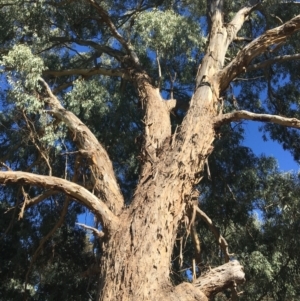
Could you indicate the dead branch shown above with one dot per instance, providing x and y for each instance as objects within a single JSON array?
[
  {"x": 245, "y": 115},
  {"x": 39, "y": 198},
  {"x": 45, "y": 238},
  {"x": 221, "y": 240},
  {"x": 220, "y": 278},
  {"x": 96, "y": 232},
  {"x": 88, "y": 72}
]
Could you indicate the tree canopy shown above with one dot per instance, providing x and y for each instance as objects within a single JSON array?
[{"x": 133, "y": 111}]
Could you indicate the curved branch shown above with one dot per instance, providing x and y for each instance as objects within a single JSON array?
[
  {"x": 240, "y": 115},
  {"x": 221, "y": 240},
  {"x": 73, "y": 190},
  {"x": 277, "y": 59},
  {"x": 240, "y": 63},
  {"x": 102, "y": 173}
]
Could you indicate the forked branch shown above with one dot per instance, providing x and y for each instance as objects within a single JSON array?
[{"x": 245, "y": 115}]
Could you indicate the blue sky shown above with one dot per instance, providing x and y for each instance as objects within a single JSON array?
[{"x": 253, "y": 139}]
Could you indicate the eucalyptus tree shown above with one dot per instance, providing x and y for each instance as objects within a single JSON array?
[{"x": 84, "y": 103}]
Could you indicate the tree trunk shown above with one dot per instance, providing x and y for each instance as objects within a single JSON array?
[
  {"x": 136, "y": 259},
  {"x": 138, "y": 240}
]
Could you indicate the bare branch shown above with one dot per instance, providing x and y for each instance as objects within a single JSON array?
[
  {"x": 240, "y": 63},
  {"x": 45, "y": 238},
  {"x": 73, "y": 190},
  {"x": 277, "y": 59},
  {"x": 39, "y": 198},
  {"x": 240, "y": 115},
  {"x": 95, "y": 231},
  {"x": 117, "y": 54},
  {"x": 106, "y": 18},
  {"x": 221, "y": 240},
  {"x": 89, "y": 72},
  {"x": 242, "y": 39}
]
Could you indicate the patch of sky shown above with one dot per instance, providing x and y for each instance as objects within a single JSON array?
[{"x": 254, "y": 140}]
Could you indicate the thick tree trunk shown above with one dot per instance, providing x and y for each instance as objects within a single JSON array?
[
  {"x": 136, "y": 259},
  {"x": 138, "y": 240}
]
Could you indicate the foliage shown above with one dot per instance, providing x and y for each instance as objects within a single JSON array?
[{"x": 253, "y": 204}]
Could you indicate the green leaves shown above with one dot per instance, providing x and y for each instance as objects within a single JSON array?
[
  {"x": 23, "y": 70},
  {"x": 21, "y": 59},
  {"x": 168, "y": 33}
]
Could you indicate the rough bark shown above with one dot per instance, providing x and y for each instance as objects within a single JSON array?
[
  {"x": 104, "y": 182},
  {"x": 138, "y": 240}
]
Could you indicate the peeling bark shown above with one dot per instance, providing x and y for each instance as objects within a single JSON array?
[{"x": 221, "y": 278}]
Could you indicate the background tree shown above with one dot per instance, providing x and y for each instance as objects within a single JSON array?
[{"x": 85, "y": 120}]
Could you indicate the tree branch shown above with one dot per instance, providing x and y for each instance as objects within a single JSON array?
[
  {"x": 39, "y": 198},
  {"x": 89, "y": 72},
  {"x": 220, "y": 278},
  {"x": 240, "y": 115},
  {"x": 45, "y": 238},
  {"x": 73, "y": 190},
  {"x": 238, "y": 20},
  {"x": 277, "y": 59},
  {"x": 117, "y": 54},
  {"x": 221, "y": 240},
  {"x": 102, "y": 173},
  {"x": 106, "y": 18},
  {"x": 240, "y": 63},
  {"x": 95, "y": 231}
]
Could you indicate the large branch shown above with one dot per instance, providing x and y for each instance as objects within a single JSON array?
[
  {"x": 240, "y": 115},
  {"x": 277, "y": 59},
  {"x": 238, "y": 20},
  {"x": 240, "y": 63},
  {"x": 102, "y": 173},
  {"x": 73, "y": 190},
  {"x": 220, "y": 278},
  {"x": 220, "y": 37}
]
